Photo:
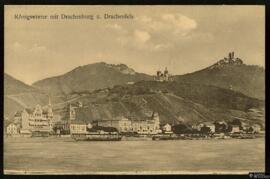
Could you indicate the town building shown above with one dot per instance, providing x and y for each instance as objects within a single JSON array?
[
  {"x": 165, "y": 76},
  {"x": 245, "y": 126},
  {"x": 149, "y": 125},
  {"x": 12, "y": 129},
  {"x": 210, "y": 125},
  {"x": 221, "y": 126},
  {"x": 235, "y": 129},
  {"x": 18, "y": 117},
  {"x": 78, "y": 127},
  {"x": 122, "y": 124},
  {"x": 167, "y": 129},
  {"x": 72, "y": 110},
  {"x": 37, "y": 119}
]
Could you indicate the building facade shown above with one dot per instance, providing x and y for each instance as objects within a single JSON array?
[
  {"x": 149, "y": 125},
  {"x": 78, "y": 127},
  {"x": 235, "y": 129},
  {"x": 210, "y": 125},
  {"x": 12, "y": 129},
  {"x": 122, "y": 125},
  {"x": 37, "y": 119},
  {"x": 167, "y": 128}
]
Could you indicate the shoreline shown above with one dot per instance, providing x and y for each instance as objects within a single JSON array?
[{"x": 134, "y": 138}]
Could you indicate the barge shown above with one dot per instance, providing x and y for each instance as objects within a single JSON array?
[{"x": 96, "y": 137}]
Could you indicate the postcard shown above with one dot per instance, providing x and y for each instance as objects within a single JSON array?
[{"x": 95, "y": 89}]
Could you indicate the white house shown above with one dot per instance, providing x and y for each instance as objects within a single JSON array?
[
  {"x": 89, "y": 125},
  {"x": 78, "y": 127},
  {"x": 211, "y": 126},
  {"x": 12, "y": 129},
  {"x": 167, "y": 128},
  {"x": 235, "y": 129}
]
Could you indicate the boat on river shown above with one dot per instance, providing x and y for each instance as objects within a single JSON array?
[{"x": 97, "y": 137}]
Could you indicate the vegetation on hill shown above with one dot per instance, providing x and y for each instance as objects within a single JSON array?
[
  {"x": 14, "y": 86},
  {"x": 247, "y": 79}
]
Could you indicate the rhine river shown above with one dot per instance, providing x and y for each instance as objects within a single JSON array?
[{"x": 65, "y": 156}]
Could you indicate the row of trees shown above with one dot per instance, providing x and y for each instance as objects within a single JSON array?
[{"x": 219, "y": 128}]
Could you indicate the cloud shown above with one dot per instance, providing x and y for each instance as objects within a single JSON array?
[
  {"x": 162, "y": 46},
  {"x": 142, "y": 36},
  {"x": 168, "y": 23},
  {"x": 156, "y": 33},
  {"x": 180, "y": 22},
  {"x": 114, "y": 26},
  {"x": 35, "y": 48},
  {"x": 117, "y": 28}
]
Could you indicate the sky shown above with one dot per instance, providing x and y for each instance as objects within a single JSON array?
[{"x": 182, "y": 38}]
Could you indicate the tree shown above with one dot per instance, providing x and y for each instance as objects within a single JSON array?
[
  {"x": 236, "y": 122},
  {"x": 220, "y": 128},
  {"x": 205, "y": 130},
  {"x": 181, "y": 129}
]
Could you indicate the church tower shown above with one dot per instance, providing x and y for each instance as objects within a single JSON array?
[
  {"x": 50, "y": 111},
  {"x": 50, "y": 114},
  {"x": 155, "y": 117},
  {"x": 72, "y": 113}
]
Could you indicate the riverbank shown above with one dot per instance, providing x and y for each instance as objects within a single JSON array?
[{"x": 154, "y": 137}]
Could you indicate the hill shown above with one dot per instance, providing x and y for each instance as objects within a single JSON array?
[
  {"x": 175, "y": 102},
  {"x": 90, "y": 77},
  {"x": 230, "y": 73},
  {"x": 18, "y": 95},
  {"x": 14, "y": 86}
]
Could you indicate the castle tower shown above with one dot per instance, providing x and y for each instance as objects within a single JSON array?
[
  {"x": 50, "y": 114},
  {"x": 232, "y": 55},
  {"x": 166, "y": 72}
]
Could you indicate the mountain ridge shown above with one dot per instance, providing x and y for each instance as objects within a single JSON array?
[
  {"x": 230, "y": 73},
  {"x": 90, "y": 77}
]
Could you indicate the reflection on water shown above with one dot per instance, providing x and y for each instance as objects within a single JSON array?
[{"x": 48, "y": 155}]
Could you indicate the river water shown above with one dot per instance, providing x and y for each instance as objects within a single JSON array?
[{"x": 65, "y": 156}]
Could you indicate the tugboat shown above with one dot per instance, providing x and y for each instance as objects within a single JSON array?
[{"x": 82, "y": 132}]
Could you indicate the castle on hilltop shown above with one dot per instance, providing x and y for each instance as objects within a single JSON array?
[
  {"x": 163, "y": 76},
  {"x": 230, "y": 60}
]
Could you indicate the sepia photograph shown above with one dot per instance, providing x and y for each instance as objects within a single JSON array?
[{"x": 141, "y": 89}]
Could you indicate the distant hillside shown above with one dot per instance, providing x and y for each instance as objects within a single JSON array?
[
  {"x": 230, "y": 74},
  {"x": 90, "y": 77},
  {"x": 209, "y": 96},
  {"x": 14, "y": 86},
  {"x": 18, "y": 95},
  {"x": 175, "y": 102},
  {"x": 226, "y": 90}
]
